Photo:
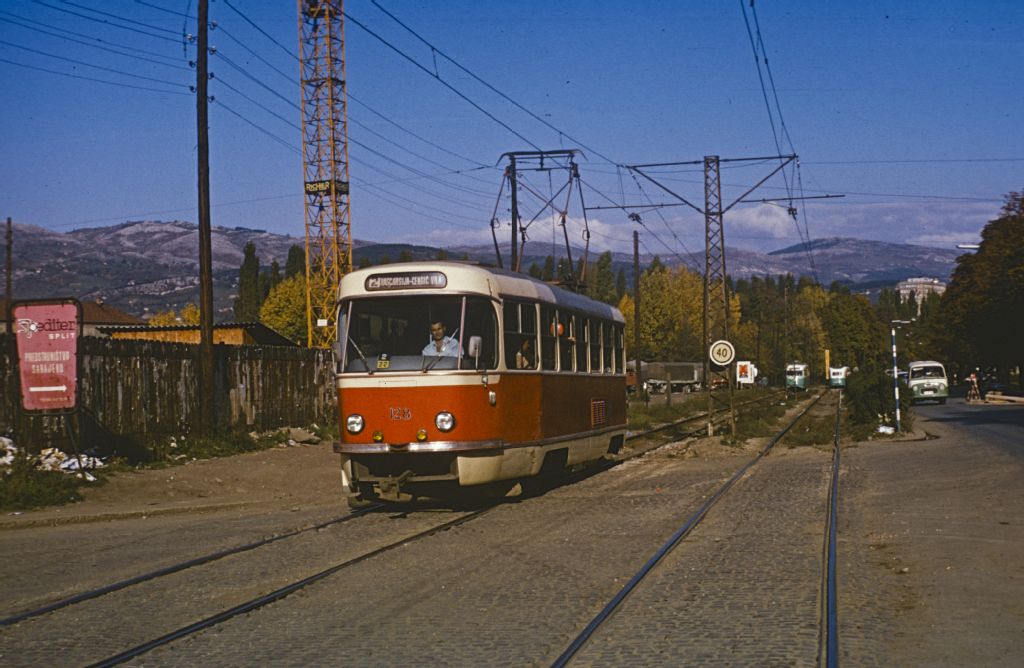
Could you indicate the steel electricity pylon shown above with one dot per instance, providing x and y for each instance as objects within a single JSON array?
[
  {"x": 716, "y": 289},
  {"x": 325, "y": 158}
]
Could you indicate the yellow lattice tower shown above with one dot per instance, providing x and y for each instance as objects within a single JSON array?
[{"x": 325, "y": 157}]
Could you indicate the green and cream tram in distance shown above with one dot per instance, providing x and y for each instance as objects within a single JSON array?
[{"x": 796, "y": 376}]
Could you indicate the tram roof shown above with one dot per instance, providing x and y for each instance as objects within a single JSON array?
[{"x": 461, "y": 277}]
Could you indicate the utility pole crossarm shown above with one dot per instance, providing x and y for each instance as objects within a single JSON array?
[{"x": 636, "y": 168}]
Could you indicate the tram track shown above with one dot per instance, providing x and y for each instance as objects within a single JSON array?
[
  {"x": 827, "y": 650},
  {"x": 175, "y": 568},
  {"x": 182, "y": 630},
  {"x": 144, "y": 622}
]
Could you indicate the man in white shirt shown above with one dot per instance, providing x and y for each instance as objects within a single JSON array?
[{"x": 441, "y": 345}]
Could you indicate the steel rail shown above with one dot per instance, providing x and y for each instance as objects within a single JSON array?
[
  {"x": 277, "y": 594},
  {"x": 175, "y": 568},
  {"x": 670, "y": 545},
  {"x": 205, "y": 559},
  {"x": 828, "y": 634}
]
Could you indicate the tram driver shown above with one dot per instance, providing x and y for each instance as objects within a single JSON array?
[{"x": 440, "y": 344}]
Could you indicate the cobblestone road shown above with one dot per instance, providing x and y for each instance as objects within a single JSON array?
[{"x": 930, "y": 569}]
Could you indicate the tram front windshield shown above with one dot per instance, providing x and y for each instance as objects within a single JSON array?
[{"x": 423, "y": 333}]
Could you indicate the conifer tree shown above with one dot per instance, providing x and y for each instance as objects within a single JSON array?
[{"x": 247, "y": 303}]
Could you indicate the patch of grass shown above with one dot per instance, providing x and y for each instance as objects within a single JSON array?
[
  {"x": 225, "y": 444},
  {"x": 810, "y": 431},
  {"x": 23, "y": 487},
  {"x": 640, "y": 417},
  {"x": 755, "y": 421}
]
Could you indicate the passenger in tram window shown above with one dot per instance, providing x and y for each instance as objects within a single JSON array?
[
  {"x": 440, "y": 344},
  {"x": 524, "y": 356}
]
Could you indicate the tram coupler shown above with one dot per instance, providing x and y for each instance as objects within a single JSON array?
[{"x": 391, "y": 487}]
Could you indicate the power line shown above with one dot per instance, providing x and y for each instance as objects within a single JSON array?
[
  {"x": 119, "y": 18},
  {"x": 912, "y": 161},
  {"x": 261, "y": 30},
  {"x": 270, "y": 111},
  {"x": 444, "y": 83},
  {"x": 260, "y": 128},
  {"x": 105, "y": 22},
  {"x": 444, "y": 55},
  {"x": 94, "y": 79},
  {"x": 86, "y": 64},
  {"x": 241, "y": 70},
  {"x": 164, "y": 9},
  {"x": 148, "y": 57},
  {"x": 411, "y": 133}
]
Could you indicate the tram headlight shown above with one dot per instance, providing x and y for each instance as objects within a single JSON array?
[
  {"x": 355, "y": 423},
  {"x": 444, "y": 421}
]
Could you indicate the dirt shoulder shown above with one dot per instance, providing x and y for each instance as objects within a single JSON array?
[{"x": 290, "y": 476}]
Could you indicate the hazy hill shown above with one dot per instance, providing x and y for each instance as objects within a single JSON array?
[{"x": 147, "y": 266}]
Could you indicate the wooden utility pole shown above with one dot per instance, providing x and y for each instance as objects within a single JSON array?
[
  {"x": 206, "y": 384},
  {"x": 12, "y": 390},
  {"x": 636, "y": 315}
]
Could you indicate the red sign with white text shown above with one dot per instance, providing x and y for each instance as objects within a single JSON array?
[{"x": 47, "y": 339}]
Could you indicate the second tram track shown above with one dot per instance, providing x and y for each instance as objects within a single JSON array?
[{"x": 828, "y": 625}]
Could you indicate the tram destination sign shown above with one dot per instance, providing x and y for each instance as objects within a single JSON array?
[
  {"x": 47, "y": 334},
  {"x": 406, "y": 280}
]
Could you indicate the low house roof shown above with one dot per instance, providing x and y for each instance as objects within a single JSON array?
[
  {"x": 260, "y": 333},
  {"x": 94, "y": 313}
]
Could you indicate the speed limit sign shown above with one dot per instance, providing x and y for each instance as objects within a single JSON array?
[{"x": 722, "y": 352}]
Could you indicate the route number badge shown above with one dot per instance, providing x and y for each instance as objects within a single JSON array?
[{"x": 722, "y": 352}]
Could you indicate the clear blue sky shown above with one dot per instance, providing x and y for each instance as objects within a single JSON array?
[{"x": 912, "y": 110}]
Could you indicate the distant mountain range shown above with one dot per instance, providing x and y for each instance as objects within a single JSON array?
[{"x": 143, "y": 267}]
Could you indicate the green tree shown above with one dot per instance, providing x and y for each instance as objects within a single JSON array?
[
  {"x": 620, "y": 284},
  {"x": 284, "y": 310},
  {"x": 548, "y": 272},
  {"x": 296, "y": 262},
  {"x": 982, "y": 310},
  {"x": 364, "y": 262},
  {"x": 601, "y": 282},
  {"x": 535, "y": 270},
  {"x": 405, "y": 255},
  {"x": 247, "y": 303},
  {"x": 442, "y": 254}
]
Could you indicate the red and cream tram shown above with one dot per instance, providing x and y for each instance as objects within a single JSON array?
[{"x": 455, "y": 378}]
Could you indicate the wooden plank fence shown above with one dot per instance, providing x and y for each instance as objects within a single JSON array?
[{"x": 149, "y": 388}]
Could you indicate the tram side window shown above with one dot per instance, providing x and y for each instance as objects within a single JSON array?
[
  {"x": 520, "y": 335},
  {"x": 606, "y": 346},
  {"x": 481, "y": 321},
  {"x": 620, "y": 350},
  {"x": 567, "y": 328},
  {"x": 593, "y": 334},
  {"x": 548, "y": 338}
]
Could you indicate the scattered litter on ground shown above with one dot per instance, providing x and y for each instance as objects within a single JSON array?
[
  {"x": 53, "y": 459},
  {"x": 886, "y": 429},
  {"x": 7, "y": 451}
]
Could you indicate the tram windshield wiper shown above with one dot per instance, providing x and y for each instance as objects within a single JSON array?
[{"x": 362, "y": 357}]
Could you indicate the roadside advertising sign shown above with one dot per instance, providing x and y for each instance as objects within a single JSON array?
[{"x": 47, "y": 334}]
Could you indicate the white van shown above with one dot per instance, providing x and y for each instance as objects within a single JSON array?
[{"x": 927, "y": 381}]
